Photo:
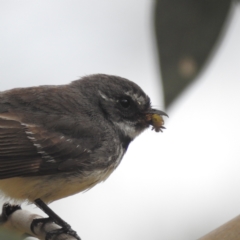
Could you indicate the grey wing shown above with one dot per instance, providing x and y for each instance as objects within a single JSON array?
[{"x": 29, "y": 149}]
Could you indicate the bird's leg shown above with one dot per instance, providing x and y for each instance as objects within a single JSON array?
[
  {"x": 66, "y": 228},
  {"x": 52, "y": 215}
]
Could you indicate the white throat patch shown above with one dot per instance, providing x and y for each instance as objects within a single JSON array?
[{"x": 127, "y": 129}]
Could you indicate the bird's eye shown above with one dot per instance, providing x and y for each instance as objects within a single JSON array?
[{"x": 125, "y": 103}]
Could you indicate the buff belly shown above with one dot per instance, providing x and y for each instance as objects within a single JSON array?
[{"x": 50, "y": 188}]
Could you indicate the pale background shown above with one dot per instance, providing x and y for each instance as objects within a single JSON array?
[{"x": 178, "y": 185}]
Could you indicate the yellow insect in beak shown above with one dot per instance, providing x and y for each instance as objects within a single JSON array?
[{"x": 154, "y": 118}]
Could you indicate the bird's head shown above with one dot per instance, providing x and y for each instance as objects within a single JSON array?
[{"x": 124, "y": 104}]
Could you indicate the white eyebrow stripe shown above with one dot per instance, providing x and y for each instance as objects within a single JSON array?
[
  {"x": 137, "y": 98},
  {"x": 141, "y": 100},
  {"x": 104, "y": 96}
]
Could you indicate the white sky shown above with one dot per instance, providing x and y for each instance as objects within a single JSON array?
[{"x": 178, "y": 185}]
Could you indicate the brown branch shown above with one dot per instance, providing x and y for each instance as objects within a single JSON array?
[{"x": 228, "y": 231}]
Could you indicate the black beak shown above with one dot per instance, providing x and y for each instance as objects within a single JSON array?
[{"x": 156, "y": 111}]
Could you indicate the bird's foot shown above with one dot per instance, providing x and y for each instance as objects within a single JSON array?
[
  {"x": 37, "y": 221},
  {"x": 53, "y": 217},
  {"x": 7, "y": 210},
  {"x": 59, "y": 231},
  {"x": 66, "y": 228}
]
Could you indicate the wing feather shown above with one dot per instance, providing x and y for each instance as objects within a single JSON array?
[
  {"x": 29, "y": 149},
  {"x": 40, "y": 134}
]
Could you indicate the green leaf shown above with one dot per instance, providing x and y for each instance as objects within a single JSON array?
[{"x": 186, "y": 32}]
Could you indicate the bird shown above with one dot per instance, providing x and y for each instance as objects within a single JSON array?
[{"x": 59, "y": 140}]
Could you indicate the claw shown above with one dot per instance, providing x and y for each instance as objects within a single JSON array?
[
  {"x": 59, "y": 231},
  {"x": 36, "y": 221}
]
